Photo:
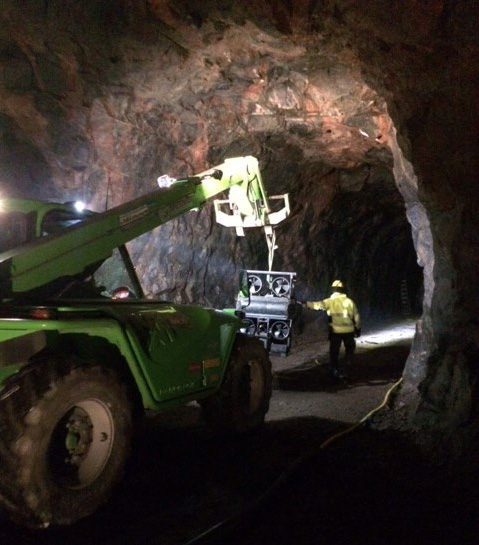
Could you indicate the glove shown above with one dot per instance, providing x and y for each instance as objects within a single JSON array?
[{"x": 357, "y": 332}]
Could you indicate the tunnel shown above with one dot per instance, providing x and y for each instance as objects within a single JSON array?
[{"x": 365, "y": 113}]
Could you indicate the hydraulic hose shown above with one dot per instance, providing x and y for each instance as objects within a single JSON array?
[{"x": 221, "y": 529}]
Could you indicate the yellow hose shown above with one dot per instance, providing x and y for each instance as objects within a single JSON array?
[
  {"x": 219, "y": 531},
  {"x": 359, "y": 423}
]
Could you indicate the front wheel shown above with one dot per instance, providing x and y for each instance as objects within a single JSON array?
[
  {"x": 67, "y": 445},
  {"x": 243, "y": 399}
]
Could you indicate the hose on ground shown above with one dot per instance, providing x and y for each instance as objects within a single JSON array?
[{"x": 222, "y": 528}]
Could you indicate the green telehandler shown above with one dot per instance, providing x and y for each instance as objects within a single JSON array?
[{"x": 81, "y": 359}]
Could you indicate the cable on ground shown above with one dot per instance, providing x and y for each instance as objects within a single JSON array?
[{"x": 219, "y": 530}]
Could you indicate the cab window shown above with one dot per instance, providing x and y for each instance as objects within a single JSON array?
[{"x": 57, "y": 220}]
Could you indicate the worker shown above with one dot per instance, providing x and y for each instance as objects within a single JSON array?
[{"x": 344, "y": 327}]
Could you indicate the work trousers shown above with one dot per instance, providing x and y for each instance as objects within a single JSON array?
[{"x": 335, "y": 340}]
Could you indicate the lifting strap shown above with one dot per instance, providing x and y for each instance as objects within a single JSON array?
[{"x": 271, "y": 242}]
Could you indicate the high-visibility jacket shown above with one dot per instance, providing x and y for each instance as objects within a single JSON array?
[{"x": 342, "y": 311}]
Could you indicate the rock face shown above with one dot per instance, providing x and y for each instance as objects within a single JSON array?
[{"x": 366, "y": 117}]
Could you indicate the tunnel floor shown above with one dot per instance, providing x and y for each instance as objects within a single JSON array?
[
  {"x": 303, "y": 386},
  {"x": 277, "y": 485}
]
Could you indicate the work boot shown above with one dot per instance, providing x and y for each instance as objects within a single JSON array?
[
  {"x": 334, "y": 373},
  {"x": 345, "y": 371}
]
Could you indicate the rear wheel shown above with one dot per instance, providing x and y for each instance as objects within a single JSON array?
[
  {"x": 243, "y": 400},
  {"x": 67, "y": 443}
]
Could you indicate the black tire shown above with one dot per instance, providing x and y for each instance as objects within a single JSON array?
[
  {"x": 67, "y": 443},
  {"x": 243, "y": 399}
]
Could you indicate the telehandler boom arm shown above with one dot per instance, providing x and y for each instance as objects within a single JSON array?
[{"x": 78, "y": 250}]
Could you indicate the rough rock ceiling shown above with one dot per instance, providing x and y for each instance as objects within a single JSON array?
[
  {"x": 362, "y": 113},
  {"x": 172, "y": 87}
]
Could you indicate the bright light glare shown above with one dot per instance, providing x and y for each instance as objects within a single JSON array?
[
  {"x": 165, "y": 181},
  {"x": 79, "y": 206},
  {"x": 393, "y": 334}
]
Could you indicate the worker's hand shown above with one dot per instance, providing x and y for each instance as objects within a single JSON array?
[{"x": 357, "y": 332}]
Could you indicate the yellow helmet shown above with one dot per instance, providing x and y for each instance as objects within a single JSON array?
[{"x": 337, "y": 284}]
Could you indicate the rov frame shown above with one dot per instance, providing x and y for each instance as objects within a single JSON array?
[{"x": 267, "y": 311}]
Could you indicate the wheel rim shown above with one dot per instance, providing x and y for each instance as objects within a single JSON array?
[
  {"x": 81, "y": 444},
  {"x": 253, "y": 386}
]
